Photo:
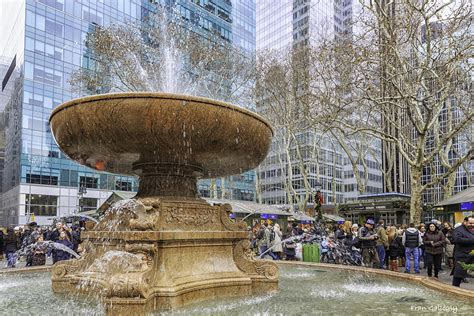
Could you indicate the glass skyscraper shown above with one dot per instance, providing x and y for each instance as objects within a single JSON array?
[
  {"x": 45, "y": 46},
  {"x": 282, "y": 24}
]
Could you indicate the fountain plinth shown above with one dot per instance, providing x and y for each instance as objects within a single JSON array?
[{"x": 166, "y": 247}]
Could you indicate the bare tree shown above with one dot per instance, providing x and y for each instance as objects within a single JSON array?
[
  {"x": 163, "y": 54},
  {"x": 281, "y": 96},
  {"x": 411, "y": 86}
]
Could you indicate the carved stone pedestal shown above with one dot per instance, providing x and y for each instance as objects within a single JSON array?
[
  {"x": 164, "y": 254},
  {"x": 166, "y": 247}
]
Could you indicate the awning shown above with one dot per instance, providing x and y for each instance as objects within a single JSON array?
[
  {"x": 300, "y": 217},
  {"x": 333, "y": 218},
  {"x": 461, "y": 197},
  {"x": 247, "y": 207}
]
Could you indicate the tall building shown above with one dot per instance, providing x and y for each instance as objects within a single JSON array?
[
  {"x": 282, "y": 24},
  {"x": 45, "y": 46},
  {"x": 396, "y": 166}
]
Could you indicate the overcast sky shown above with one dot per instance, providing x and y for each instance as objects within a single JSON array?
[{"x": 9, "y": 13}]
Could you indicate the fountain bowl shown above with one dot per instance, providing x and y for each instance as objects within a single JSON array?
[
  {"x": 122, "y": 132},
  {"x": 166, "y": 247}
]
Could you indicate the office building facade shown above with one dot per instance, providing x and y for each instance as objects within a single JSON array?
[{"x": 45, "y": 48}]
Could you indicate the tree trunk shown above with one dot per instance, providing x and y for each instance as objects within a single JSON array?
[
  {"x": 258, "y": 189},
  {"x": 416, "y": 203},
  {"x": 448, "y": 188}
]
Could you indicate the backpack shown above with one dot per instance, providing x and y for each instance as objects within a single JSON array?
[{"x": 356, "y": 242}]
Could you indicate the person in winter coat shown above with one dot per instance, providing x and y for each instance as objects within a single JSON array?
[
  {"x": 39, "y": 252},
  {"x": 267, "y": 241},
  {"x": 344, "y": 234},
  {"x": 11, "y": 244},
  {"x": 394, "y": 248},
  {"x": 75, "y": 237},
  {"x": 421, "y": 249},
  {"x": 339, "y": 234},
  {"x": 411, "y": 241},
  {"x": 449, "y": 246},
  {"x": 434, "y": 244},
  {"x": 59, "y": 255},
  {"x": 277, "y": 246},
  {"x": 382, "y": 242},
  {"x": 368, "y": 237},
  {"x": 60, "y": 227},
  {"x": 1, "y": 244},
  {"x": 463, "y": 237}
]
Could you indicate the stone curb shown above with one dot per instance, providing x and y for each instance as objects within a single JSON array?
[
  {"x": 26, "y": 269},
  {"x": 418, "y": 279}
]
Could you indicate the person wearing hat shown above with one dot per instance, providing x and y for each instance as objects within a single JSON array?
[
  {"x": 412, "y": 240},
  {"x": 434, "y": 241},
  {"x": 368, "y": 237}
]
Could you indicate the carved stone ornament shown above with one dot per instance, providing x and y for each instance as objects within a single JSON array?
[
  {"x": 189, "y": 217},
  {"x": 245, "y": 261},
  {"x": 237, "y": 225}
]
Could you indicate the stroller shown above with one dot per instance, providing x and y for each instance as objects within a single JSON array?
[{"x": 289, "y": 249}]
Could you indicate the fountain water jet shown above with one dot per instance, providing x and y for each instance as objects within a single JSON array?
[{"x": 184, "y": 250}]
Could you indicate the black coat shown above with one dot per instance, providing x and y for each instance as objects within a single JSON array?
[
  {"x": 1, "y": 242},
  {"x": 463, "y": 245},
  {"x": 11, "y": 243},
  {"x": 395, "y": 248},
  {"x": 59, "y": 255}
]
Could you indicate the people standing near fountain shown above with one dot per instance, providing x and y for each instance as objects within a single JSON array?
[
  {"x": 394, "y": 248},
  {"x": 39, "y": 252},
  {"x": 29, "y": 236},
  {"x": 12, "y": 244},
  {"x": 434, "y": 244},
  {"x": 463, "y": 237},
  {"x": 343, "y": 235},
  {"x": 368, "y": 237},
  {"x": 277, "y": 246},
  {"x": 411, "y": 241},
  {"x": 60, "y": 227},
  {"x": 382, "y": 242},
  {"x": 421, "y": 249},
  {"x": 1, "y": 243},
  {"x": 266, "y": 241},
  {"x": 75, "y": 237},
  {"x": 449, "y": 246},
  {"x": 59, "y": 255}
]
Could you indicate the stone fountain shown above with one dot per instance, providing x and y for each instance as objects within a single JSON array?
[{"x": 166, "y": 247}]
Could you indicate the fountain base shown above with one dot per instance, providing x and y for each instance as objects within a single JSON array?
[{"x": 154, "y": 261}]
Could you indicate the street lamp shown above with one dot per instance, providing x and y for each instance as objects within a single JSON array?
[
  {"x": 80, "y": 194},
  {"x": 318, "y": 201}
]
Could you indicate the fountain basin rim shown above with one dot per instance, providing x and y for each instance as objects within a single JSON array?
[
  {"x": 157, "y": 95},
  {"x": 426, "y": 281},
  {"x": 45, "y": 268}
]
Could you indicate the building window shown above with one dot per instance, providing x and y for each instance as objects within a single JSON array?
[
  {"x": 123, "y": 185},
  {"x": 41, "y": 179},
  {"x": 88, "y": 204},
  {"x": 88, "y": 182},
  {"x": 41, "y": 205}
]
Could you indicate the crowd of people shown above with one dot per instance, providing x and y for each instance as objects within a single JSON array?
[
  {"x": 377, "y": 246},
  {"x": 35, "y": 243}
]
